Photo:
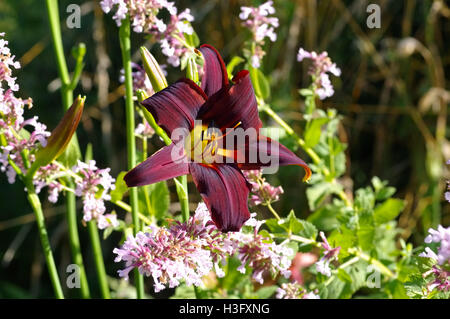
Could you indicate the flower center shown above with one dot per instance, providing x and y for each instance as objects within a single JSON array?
[{"x": 205, "y": 144}]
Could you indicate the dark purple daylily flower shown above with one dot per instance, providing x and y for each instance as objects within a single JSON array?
[{"x": 220, "y": 106}]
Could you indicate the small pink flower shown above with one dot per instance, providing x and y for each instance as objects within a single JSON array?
[{"x": 320, "y": 67}]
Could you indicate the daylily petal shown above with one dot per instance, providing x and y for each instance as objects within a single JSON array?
[
  {"x": 265, "y": 152},
  {"x": 177, "y": 105},
  {"x": 215, "y": 75},
  {"x": 168, "y": 162},
  {"x": 238, "y": 104},
  {"x": 225, "y": 191}
]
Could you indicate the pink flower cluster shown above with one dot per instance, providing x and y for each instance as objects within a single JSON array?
[
  {"x": 17, "y": 139},
  {"x": 143, "y": 15},
  {"x": 47, "y": 176},
  {"x": 262, "y": 192},
  {"x": 323, "y": 265},
  {"x": 189, "y": 251},
  {"x": 172, "y": 39},
  {"x": 140, "y": 79},
  {"x": 294, "y": 291},
  {"x": 442, "y": 236},
  {"x": 257, "y": 20},
  {"x": 318, "y": 71},
  {"x": 441, "y": 279},
  {"x": 261, "y": 256},
  {"x": 142, "y": 12},
  {"x": 94, "y": 186}
]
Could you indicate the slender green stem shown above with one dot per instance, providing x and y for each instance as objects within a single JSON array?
[
  {"x": 74, "y": 240},
  {"x": 35, "y": 203},
  {"x": 98, "y": 259},
  {"x": 125, "y": 46},
  {"x": 375, "y": 262},
  {"x": 290, "y": 131},
  {"x": 269, "y": 206},
  {"x": 67, "y": 100},
  {"x": 315, "y": 158}
]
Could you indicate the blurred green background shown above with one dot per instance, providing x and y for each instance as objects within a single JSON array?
[{"x": 393, "y": 94}]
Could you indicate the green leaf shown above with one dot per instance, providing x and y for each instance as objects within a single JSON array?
[
  {"x": 235, "y": 61},
  {"x": 382, "y": 191},
  {"x": 192, "y": 39},
  {"x": 266, "y": 292},
  {"x": 159, "y": 199},
  {"x": 344, "y": 276},
  {"x": 345, "y": 238},
  {"x": 366, "y": 231},
  {"x": 388, "y": 210},
  {"x": 260, "y": 83},
  {"x": 396, "y": 290},
  {"x": 313, "y": 131},
  {"x": 72, "y": 153},
  {"x": 319, "y": 191},
  {"x": 120, "y": 188},
  {"x": 324, "y": 218},
  {"x": 305, "y": 92}
]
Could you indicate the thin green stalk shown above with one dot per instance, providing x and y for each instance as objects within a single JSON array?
[
  {"x": 125, "y": 46},
  {"x": 290, "y": 131},
  {"x": 35, "y": 203},
  {"x": 75, "y": 248},
  {"x": 98, "y": 258},
  {"x": 375, "y": 262},
  {"x": 315, "y": 158},
  {"x": 67, "y": 100},
  {"x": 269, "y": 206}
]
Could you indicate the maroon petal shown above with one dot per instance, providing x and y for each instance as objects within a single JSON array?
[
  {"x": 229, "y": 107},
  {"x": 225, "y": 191},
  {"x": 265, "y": 152},
  {"x": 215, "y": 75},
  {"x": 168, "y": 162},
  {"x": 177, "y": 105}
]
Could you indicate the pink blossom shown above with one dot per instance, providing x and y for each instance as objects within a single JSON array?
[
  {"x": 330, "y": 254},
  {"x": 442, "y": 236},
  {"x": 320, "y": 67},
  {"x": 262, "y": 192},
  {"x": 93, "y": 186},
  {"x": 294, "y": 291},
  {"x": 257, "y": 20}
]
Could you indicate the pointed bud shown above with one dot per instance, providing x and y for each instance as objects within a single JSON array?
[
  {"x": 153, "y": 70},
  {"x": 60, "y": 136}
]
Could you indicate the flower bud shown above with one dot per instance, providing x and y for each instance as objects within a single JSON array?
[
  {"x": 153, "y": 70},
  {"x": 60, "y": 136}
]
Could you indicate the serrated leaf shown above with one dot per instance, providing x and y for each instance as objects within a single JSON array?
[
  {"x": 388, "y": 210},
  {"x": 366, "y": 231}
]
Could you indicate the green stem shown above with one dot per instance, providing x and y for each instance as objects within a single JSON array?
[
  {"x": 290, "y": 131},
  {"x": 67, "y": 100},
  {"x": 269, "y": 206},
  {"x": 98, "y": 259},
  {"x": 375, "y": 262},
  {"x": 74, "y": 240},
  {"x": 37, "y": 208},
  {"x": 125, "y": 46},
  {"x": 315, "y": 158}
]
